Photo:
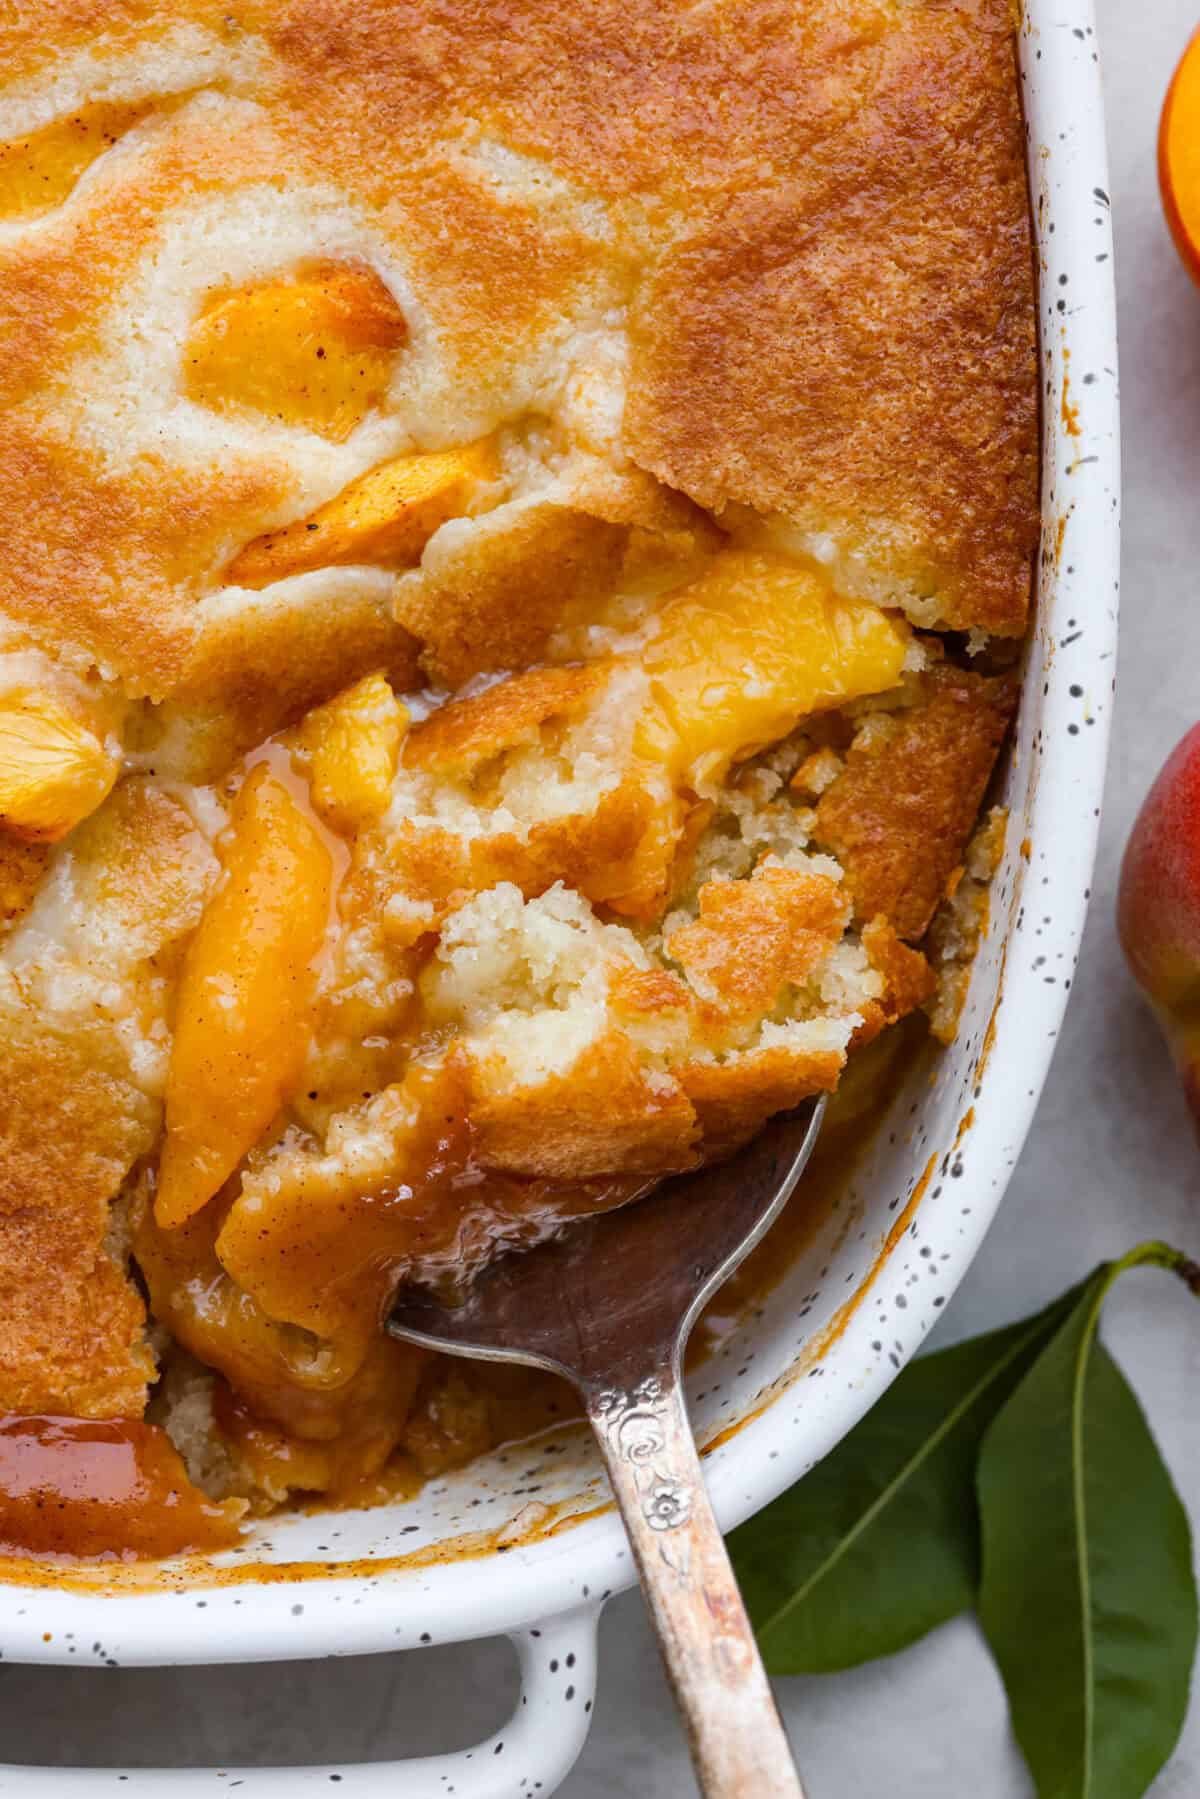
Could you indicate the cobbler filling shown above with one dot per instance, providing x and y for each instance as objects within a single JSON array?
[{"x": 435, "y": 974}]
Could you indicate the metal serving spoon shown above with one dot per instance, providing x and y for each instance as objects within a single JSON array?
[{"x": 610, "y": 1304}]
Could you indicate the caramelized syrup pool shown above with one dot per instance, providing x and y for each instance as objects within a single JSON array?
[{"x": 111, "y": 1488}]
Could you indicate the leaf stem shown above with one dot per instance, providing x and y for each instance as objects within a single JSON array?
[{"x": 1157, "y": 1254}]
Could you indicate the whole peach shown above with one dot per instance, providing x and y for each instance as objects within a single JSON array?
[{"x": 1158, "y": 906}]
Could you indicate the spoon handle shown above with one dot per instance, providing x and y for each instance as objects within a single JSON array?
[{"x": 734, "y": 1730}]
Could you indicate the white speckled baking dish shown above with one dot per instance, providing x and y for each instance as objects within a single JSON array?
[{"x": 802, "y": 1372}]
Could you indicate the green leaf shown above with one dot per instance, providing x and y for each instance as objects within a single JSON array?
[
  {"x": 879, "y": 1543},
  {"x": 1087, "y": 1598}
]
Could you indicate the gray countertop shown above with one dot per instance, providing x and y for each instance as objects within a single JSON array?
[{"x": 1111, "y": 1160}]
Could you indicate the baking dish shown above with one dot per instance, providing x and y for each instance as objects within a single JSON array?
[{"x": 522, "y": 1543}]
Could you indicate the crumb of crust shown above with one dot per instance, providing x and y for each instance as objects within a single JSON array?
[
  {"x": 898, "y": 816},
  {"x": 182, "y": 1402},
  {"x": 733, "y": 1097},
  {"x": 456, "y": 738},
  {"x": 960, "y": 924},
  {"x": 817, "y": 772},
  {"x": 532, "y": 780},
  {"x": 909, "y": 980},
  {"x": 754, "y": 937}
]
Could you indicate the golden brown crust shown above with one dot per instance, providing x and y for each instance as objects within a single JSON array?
[
  {"x": 807, "y": 339},
  {"x": 142, "y": 861},
  {"x": 263, "y": 668},
  {"x": 604, "y": 1116},
  {"x": 106, "y": 555},
  {"x": 497, "y": 596},
  {"x": 752, "y": 937},
  {"x": 496, "y": 602},
  {"x": 620, "y": 98},
  {"x": 854, "y": 349},
  {"x": 909, "y": 981},
  {"x": 732, "y": 1099},
  {"x": 899, "y": 816},
  {"x": 464, "y": 733},
  {"x": 70, "y": 1125},
  {"x": 22, "y": 866},
  {"x": 73, "y": 1121}
]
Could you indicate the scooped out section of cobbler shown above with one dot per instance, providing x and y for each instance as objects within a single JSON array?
[
  {"x": 472, "y": 744},
  {"x": 401, "y": 992}
]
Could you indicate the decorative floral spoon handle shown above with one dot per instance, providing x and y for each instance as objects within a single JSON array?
[{"x": 734, "y": 1730}]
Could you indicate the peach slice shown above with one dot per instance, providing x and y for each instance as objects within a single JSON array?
[
  {"x": 387, "y": 516},
  {"x": 54, "y": 771},
  {"x": 245, "y": 996},
  {"x": 38, "y": 171},
  {"x": 1179, "y": 157},
  {"x": 352, "y": 744},
  {"x": 754, "y": 645},
  {"x": 313, "y": 349}
]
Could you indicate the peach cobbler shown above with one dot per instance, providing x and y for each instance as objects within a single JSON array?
[{"x": 518, "y": 524}]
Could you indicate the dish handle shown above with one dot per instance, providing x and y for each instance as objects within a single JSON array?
[{"x": 532, "y": 1753}]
